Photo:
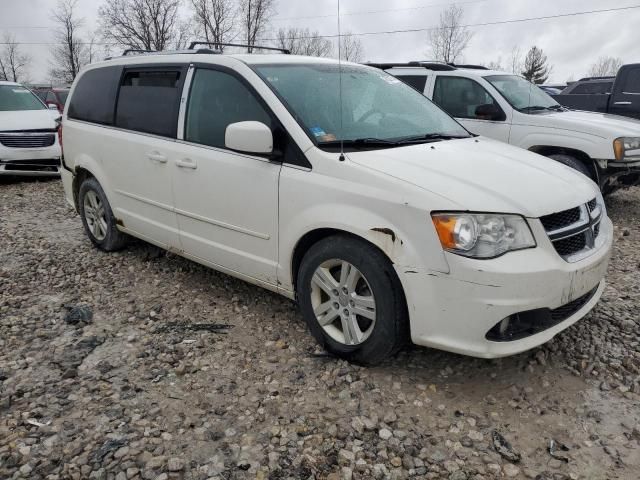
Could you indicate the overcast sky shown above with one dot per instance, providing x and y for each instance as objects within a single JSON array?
[{"x": 571, "y": 43}]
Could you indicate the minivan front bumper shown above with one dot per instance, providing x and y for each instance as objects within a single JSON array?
[
  {"x": 43, "y": 162},
  {"x": 457, "y": 311}
]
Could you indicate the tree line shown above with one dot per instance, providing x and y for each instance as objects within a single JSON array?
[
  {"x": 451, "y": 38},
  {"x": 160, "y": 25},
  {"x": 157, "y": 25}
]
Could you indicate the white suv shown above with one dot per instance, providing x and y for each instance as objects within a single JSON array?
[
  {"x": 508, "y": 108},
  {"x": 418, "y": 230}
]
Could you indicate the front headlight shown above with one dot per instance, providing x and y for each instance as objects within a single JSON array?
[
  {"x": 482, "y": 235},
  {"x": 627, "y": 148}
]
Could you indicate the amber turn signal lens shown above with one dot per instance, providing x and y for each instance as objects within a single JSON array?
[
  {"x": 445, "y": 227},
  {"x": 618, "y": 149}
]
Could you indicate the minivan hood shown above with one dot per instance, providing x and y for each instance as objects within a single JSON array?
[
  {"x": 479, "y": 174},
  {"x": 27, "y": 120},
  {"x": 599, "y": 124}
]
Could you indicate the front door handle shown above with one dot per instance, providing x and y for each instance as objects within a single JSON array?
[
  {"x": 187, "y": 163},
  {"x": 157, "y": 157},
  {"x": 622, "y": 103}
]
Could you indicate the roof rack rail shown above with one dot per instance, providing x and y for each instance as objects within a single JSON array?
[
  {"x": 586, "y": 79},
  {"x": 469, "y": 66},
  {"x": 193, "y": 45},
  {"x": 436, "y": 66},
  {"x": 136, "y": 50}
]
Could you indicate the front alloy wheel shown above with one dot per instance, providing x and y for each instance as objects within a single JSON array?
[
  {"x": 343, "y": 302},
  {"x": 352, "y": 300}
]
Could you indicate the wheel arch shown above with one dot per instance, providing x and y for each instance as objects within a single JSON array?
[
  {"x": 312, "y": 237},
  {"x": 547, "y": 150}
]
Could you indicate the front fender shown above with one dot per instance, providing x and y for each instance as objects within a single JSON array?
[{"x": 402, "y": 231}]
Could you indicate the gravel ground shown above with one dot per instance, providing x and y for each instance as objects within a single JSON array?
[{"x": 143, "y": 381}]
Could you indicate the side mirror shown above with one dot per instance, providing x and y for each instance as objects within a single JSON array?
[
  {"x": 52, "y": 106},
  {"x": 490, "y": 111},
  {"x": 249, "y": 137}
]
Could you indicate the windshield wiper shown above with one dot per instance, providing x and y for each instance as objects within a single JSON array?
[
  {"x": 539, "y": 108},
  {"x": 430, "y": 137},
  {"x": 360, "y": 143}
]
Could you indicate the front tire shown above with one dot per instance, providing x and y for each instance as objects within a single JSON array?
[
  {"x": 97, "y": 217},
  {"x": 572, "y": 162},
  {"x": 352, "y": 300}
]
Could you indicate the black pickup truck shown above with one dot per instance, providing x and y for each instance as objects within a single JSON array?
[{"x": 623, "y": 98}]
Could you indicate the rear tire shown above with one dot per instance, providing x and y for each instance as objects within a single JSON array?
[
  {"x": 352, "y": 300},
  {"x": 572, "y": 162},
  {"x": 97, "y": 217}
]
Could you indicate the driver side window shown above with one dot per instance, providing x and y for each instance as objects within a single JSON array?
[{"x": 460, "y": 97}]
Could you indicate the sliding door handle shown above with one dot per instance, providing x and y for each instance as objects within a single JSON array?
[
  {"x": 187, "y": 163},
  {"x": 157, "y": 157},
  {"x": 622, "y": 103}
]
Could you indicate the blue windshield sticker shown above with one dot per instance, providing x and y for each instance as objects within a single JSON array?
[{"x": 317, "y": 132}]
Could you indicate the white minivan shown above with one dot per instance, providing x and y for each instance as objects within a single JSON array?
[
  {"x": 387, "y": 223},
  {"x": 29, "y": 143}
]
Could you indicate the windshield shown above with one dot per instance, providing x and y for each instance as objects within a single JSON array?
[
  {"x": 522, "y": 94},
  {"x": 376, "y": 106},
  {"x": 14, "y": 98}
]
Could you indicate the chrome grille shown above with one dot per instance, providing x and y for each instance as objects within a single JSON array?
[
  {"x": 573, "y": 232},
  {"x": 27, "y": 139}
]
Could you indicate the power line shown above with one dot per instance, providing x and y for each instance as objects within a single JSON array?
[
  {"x": 371, "y": 12},
  {"x": 391, "y": 32},
  {"x": 470, "y": 25}
]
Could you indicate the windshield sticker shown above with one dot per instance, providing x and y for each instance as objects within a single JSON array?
[
  {"x": 329, "y": 137},
  {"x": 317, "y": 132}
]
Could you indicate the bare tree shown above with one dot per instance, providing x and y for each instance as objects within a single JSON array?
[
  {"x": 215, "y": 19},
  {"x": 351, "y": 48},
  {"x": 536, "y": 66},
  {"x": 255, "y": 17},
  {"x": 68, "y": 53},
  {"x": 495, "y": 64},
  {"x": 516, "y": 63},
  {"x": 605, "y": 67},
  {"x": 141, "y": 24},
  {"x": 303, "y": 42},
  {"x": 450, "y": 39},
  {"x": 13, "y": 63}
]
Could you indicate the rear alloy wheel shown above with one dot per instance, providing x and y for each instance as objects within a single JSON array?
[
  {"x": 352, "y": 300},
  {"x": 97, "y": 217}
]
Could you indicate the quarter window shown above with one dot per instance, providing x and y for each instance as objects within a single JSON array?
[
  {"x": 218, "y": 99},
  {"x": 94, "y": 96},
  {"x": 419, "y": 82},
  {"x": 149, "y": 101},
  {"x": 460, "y": 97}
]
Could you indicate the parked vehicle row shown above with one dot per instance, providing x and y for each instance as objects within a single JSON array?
[
  {"x": 619, "y": 95},
  {"x": 508, "y": 108},
  {"x": 29, "y": 142},
  {"x": 338, "y": 185},
  {"x": 52, "y": 96}
]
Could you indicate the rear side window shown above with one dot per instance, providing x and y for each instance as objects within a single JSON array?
[
  {"x": 149, "y": 101},
  {"x": 94, "y": 96},
  {"x": 217, "y": 100},
  {"x": 416, "y": 81},
  {"x": 593, "y": 88},
  {"x": 632, "y": 82}
]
